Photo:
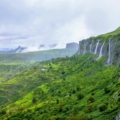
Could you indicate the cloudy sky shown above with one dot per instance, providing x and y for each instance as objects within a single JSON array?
[{"x": 34, "y": 22}]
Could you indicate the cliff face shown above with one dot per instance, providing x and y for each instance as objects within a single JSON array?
[
  {"x": 107, "y": 45},
  {"x": 72, "y": 45}
]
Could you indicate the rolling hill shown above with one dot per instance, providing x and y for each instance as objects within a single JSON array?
[{"x": 32, "y": 57}]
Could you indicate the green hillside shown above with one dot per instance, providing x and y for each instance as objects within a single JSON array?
[
  {"x": 75, "y": 88},
  {"x": 8, "y": 71},
  {"x": 114, "y": 34},
  {"x": 13, "y": 63},
  {"x": 81, "y": 87}
]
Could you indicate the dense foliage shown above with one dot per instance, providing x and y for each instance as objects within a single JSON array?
[
  {"x": 80, "y": 87},
  {"x": 75, "y": 88}
]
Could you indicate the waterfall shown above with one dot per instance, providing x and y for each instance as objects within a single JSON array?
[
  {"x": 95, "y": 52},
  {"x": 108, "y": 61},
  {"x": 101, "y": 50},
  {"x": 91, "y": 47},
  {"x": 84, "y": 49}
]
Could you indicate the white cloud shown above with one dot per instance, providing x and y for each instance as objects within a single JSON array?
[
  {"x": 71, "y": 32},
  {"x": 29, "y": 22}
]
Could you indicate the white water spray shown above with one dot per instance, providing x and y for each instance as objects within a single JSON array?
[
  {"x": 95, "y": 52},
  {"x": 108, "y": 61},
  {"x": 101, "y": 50},
  {"x": 84, "y": 49}
]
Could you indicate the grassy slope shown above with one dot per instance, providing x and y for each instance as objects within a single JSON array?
[
  {"x": 78, "y": 88},
  {"x": 7, "y": 71},
  {"x": 67, "y": 88},
  {"x": 13, "y": 63},
  {"x": 114, "y": 34}
]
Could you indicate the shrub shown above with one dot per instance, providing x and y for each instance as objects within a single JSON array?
[
  {"x": 118, "y": 99},
  {"x": 73, "y": 91},
  {"x": 91, "y": 99},
  {"x": 103, "y": 107},
  {"x": 91, "y": 108},
  {"x": 57, "y": 101},
  {"x": 80, "y": 96},
  {"x": 63, "y": 72},
  {"x": 107, "y": 90},
  {"x": 3, "y": 112},
  {"x": 78, "y": 88},
  {"x": 34, "y": 100}
]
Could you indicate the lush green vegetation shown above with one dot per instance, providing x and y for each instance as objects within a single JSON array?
[
  {"x": 7, "y": 71},
  {"x": 114, "y": 34},
  {"x": 75, "y": 88},
  {"x": 70, "y": 88}
]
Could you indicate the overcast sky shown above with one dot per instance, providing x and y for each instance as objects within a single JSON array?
[{"x": 34, "y": 22}]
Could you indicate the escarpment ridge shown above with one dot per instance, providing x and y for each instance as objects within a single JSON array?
[{"x": 107, "y": 45}]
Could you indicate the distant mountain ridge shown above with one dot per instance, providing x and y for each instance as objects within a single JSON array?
[
  {"x": 18, "y": 56},
  {"x": 19, "y": 49},
  {"x": 34, "y": 48}
]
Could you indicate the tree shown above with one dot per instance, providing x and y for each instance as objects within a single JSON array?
[
  {"x": 80, "y": 96},
  {"x": 34, "y": 100}
]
